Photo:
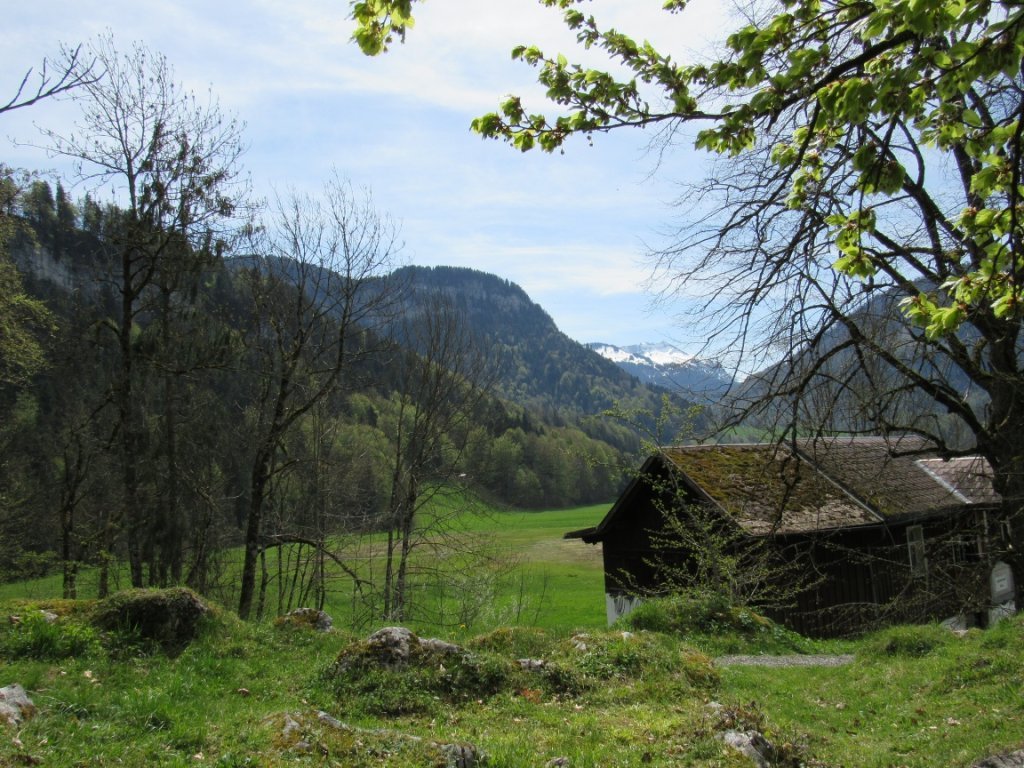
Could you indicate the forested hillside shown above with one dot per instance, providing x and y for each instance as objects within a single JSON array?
[
  {"x": 541, "y": 367},
  {"x": 319, "y": 399}
]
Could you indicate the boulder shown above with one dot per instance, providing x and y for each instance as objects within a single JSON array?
[
  {"x": 393, "y": 646},
  {"x": 1007, "y": 760},
  {"x": 170, "y": 618},
  {"x": 532, "y": 665},
  {"x": 752, "y": 744},
  {"x": 15, "y": 705},
  {"x": 312, "y": 618}
]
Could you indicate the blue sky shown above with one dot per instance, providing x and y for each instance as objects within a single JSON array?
[{"x": 572, "y": 229}]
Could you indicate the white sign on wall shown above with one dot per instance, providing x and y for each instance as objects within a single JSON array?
[{"x": 1003, "y": 591}]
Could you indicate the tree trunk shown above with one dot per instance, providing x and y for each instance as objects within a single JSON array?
[
  {"x": 389, "y": 575},
  {"x": 264, "y": 581},
  {"x": 401, "y": 581},
  {"x": 254, "y": 520}
]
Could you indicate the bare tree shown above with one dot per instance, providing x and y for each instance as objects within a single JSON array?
[
  {"x": 317, "y": 281},
  {"x": 445, "y": 376},
  {"x": 172, "y": 161},
  {"x": 71, "y": 72},
  {"x": 874, "y": 158}
]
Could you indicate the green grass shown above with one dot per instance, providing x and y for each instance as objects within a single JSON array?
[
  {"x": 538, "y": 578},
  {"x": 914, "y": 696},
  {"x": 948, "y": 706}
]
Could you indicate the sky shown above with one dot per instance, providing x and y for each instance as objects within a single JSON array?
[{"x": 571, "y": 229}]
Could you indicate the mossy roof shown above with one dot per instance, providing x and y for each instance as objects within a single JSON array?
[
  {"x": 824, "y": 484},
  {"x": 767, "y": 489},
  {"x": 902, "y": 478}
]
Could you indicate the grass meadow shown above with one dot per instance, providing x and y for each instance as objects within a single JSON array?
[
  {"x": 252, "y": 694},
  {"x": 519, "y": 571}
]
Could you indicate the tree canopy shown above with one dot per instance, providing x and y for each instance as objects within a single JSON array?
[
  {"x": 871, "y": 156},
  {"x": 910, "y": 76}
]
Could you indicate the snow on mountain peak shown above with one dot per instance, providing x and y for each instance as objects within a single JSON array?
[
  {"x": 668, "y": 366},
  {"x": 617, "y": 354},
  {"x": 659, "y": 354}
]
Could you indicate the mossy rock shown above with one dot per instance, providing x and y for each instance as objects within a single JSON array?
[
  {"x": 697, "y": 613},
  {"x": 404, "y": 674},
  {"x": 642, "y": 655},
  {"x": 515, "y": 642},
  {"x": 707, "y": 619},
  {"x": 63, "y": 608},
  {"x": 41, "y": 634},
  {"x": 305, "y": 618},
  {"x": 168, "y": 618}
]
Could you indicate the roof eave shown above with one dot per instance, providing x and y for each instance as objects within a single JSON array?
[{"x": 588, "y": 535}]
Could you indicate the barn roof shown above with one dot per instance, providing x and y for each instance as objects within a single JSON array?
[
  {"x": 765, "y": 488},
  {"x": 817, "y": 485},
  {"x": 901, "y": 478}
]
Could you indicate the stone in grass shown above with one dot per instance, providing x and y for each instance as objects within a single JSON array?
[
  {"x": 15, "y": 705},
  {"x": 393, "y": 646},
  {"x": 1008, "y": 760},
  {"x": 306, "y": 618},
  {"x": 532, "y": 665},
  {"x": 752, "y": 744},
  {"x": 170, "y": 618}
]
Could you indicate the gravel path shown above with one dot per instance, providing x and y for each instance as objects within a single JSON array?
[{"x": 795, "y": 660}]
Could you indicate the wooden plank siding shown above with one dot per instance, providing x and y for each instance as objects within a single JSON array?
[{"x": 845, "y": 530}]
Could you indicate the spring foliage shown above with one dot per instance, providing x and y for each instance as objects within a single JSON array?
[{"x": 911, "y": 79}]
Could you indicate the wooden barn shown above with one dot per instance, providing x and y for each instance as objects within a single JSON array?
[{"x": 851, "y": 533}]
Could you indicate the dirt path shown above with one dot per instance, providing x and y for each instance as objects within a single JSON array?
[{"x": 794, "y": 660}]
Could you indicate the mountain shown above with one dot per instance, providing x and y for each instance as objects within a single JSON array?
[
  {"x": 666, "y": 366},
  {"x": 543, "y": 369},
  {"x": 848, "y": 390}
]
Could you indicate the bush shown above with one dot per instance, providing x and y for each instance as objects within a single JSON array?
[
  {"x": 709, "y": 616},
  {"x": 35, "y": 636}
]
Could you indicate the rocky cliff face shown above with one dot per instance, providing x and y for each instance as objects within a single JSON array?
[{"x": 41, "y": 263}]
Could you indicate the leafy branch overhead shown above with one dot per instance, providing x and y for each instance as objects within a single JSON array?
[
  {"x": 378, "y": 21},
  {"x": 909, "y": 79}
]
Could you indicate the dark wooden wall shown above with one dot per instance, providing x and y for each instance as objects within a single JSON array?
[{"x": 863, "y": 574}]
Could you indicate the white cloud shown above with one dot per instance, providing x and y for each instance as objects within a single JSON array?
[{"x": 569, "y": 229}]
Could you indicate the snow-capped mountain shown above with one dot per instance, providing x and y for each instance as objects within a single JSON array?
[{"x": 669, "y": 367}]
